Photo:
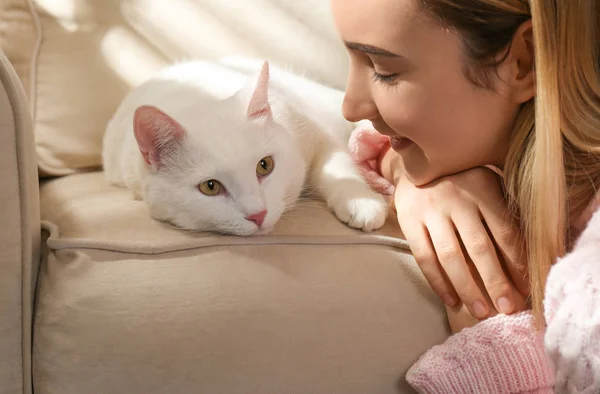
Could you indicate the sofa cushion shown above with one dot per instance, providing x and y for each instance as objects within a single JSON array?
[
  {"x": 128, "y": 304},
  {"x": 78, "y": 59}
]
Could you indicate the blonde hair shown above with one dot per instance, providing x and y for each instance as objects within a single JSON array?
[{"x": 553, "y": 165}]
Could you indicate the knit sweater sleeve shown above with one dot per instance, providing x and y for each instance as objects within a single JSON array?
[{"x": 503, "y": 354}]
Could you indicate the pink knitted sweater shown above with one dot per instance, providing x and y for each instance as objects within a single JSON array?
[{"x": 506, "y": 354}]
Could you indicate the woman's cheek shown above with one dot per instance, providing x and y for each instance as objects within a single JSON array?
[{"x": 402, "y": 109}]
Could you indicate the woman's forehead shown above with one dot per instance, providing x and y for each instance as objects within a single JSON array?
[
  {"x": 397, "y": 26},
  {"x": 374, "y": 17}
]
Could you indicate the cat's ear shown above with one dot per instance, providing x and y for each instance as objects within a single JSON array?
[
  {"x": 157, "y": 134},
  {"x": 258, "y": 105}
]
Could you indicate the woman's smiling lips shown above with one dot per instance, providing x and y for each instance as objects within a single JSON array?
[
  {"x": 397, "y": 142},
  {"x": 400, "y": 143}
]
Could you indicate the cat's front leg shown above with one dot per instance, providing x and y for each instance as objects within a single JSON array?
[{"x": 336, "y": 178}]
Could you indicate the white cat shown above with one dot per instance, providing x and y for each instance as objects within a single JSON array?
[{"x": 232, "y": 163}]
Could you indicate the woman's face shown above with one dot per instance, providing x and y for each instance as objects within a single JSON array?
[{"x": 407, "y": 77}]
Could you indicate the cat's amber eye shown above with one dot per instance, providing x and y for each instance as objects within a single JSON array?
[
  {"x": 265, "y": 166},
  {"x": 211, "y": 187}
]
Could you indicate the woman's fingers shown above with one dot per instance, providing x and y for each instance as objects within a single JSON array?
[
  {"x": 466, "y": 242},
  {"x": 423, "y": 252},
  {"x": 509, "y": 242},
  {"x": 482, "y": 253},
  {"x": 452, "y": 260}
]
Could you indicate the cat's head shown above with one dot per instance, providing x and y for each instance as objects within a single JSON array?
[{"x": 226, "y": 167}]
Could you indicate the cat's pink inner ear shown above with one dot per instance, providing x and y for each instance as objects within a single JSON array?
[
  {"x": 259, "y": 102},
  {"x": 156, "y": 133}
]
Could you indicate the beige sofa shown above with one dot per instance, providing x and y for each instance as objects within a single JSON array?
[{"x": 95, "y": 297}]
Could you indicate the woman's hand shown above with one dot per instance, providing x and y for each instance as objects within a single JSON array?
[
  {"x": 466, "y": 243},
  {"x": 459, "y": 230}
]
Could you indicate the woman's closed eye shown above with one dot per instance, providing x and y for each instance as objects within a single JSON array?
[
  {"x": 386, "y": 73},
  {"x": 385, "y": 78}
]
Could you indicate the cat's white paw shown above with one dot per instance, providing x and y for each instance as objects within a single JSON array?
[{"x": 367, "y": 212}]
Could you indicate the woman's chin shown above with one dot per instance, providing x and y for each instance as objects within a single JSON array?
[
  {"x": 420, "y": 171},
  {"x": 419, "y": 177}
]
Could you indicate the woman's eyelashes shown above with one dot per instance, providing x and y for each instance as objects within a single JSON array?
[
  {"x": 382, "y": 70},
  {"x": 386, "y": 73},
  {"x": 385, "y": 78}
]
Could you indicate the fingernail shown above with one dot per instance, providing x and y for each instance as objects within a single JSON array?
[
  {"x": 449, "y": 300},
  {"x": 479, "y": 309},
  {"x": 505, "y": 305}
]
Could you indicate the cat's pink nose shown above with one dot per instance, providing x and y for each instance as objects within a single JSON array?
[{"x": 258, "y": 217}]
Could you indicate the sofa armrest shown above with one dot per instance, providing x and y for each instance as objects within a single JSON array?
[{"x": 19, "y": 232}]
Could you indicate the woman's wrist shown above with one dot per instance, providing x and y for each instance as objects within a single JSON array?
[{"x": 389, "y": 165}]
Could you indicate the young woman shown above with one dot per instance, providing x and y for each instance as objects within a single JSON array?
[{"x": 455, "y": 86}]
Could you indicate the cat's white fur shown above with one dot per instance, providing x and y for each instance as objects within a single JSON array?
[{"x": 194, "y": 127}]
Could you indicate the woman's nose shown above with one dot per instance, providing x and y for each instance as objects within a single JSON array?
[{"x": 358, "y": 103}]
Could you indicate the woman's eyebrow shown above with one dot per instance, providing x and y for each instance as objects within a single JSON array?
[{"x": 370, "y": 49}]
